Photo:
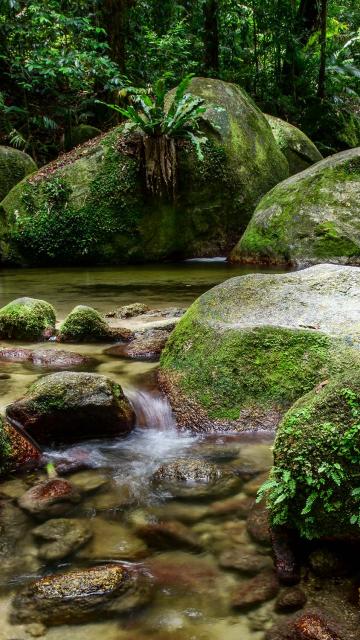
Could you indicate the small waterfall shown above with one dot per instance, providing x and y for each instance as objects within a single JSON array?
[{"x": 152, "y": 410}]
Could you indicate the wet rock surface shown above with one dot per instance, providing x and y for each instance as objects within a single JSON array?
[
  {"x": 147, "y": 346},
  {"x": 259, "y": 589},
  {"x": 47, "y": 358},
  {"x": 167, "y": 535},
  {"x": 290, "y": 599},
  {"x": 191, "y": 478},
  {"x": 61, "y": 537},
  {"x": 129, "y": 311},
  {"x": 246, "y": 562},
  {"x": 50, "y": 498},
  {"x": 24, "y": 452},
  {"x": 257, "y": 523},
  {"x": 77, "y": 596},
  {"x": 284, "y": 545},
  {"x": 71, "y": 406}
]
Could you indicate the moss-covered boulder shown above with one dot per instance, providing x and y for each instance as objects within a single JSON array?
[
  {"x": 248, "y": 348},
  {"x": 80, "y": 134},
  {"x": 314, "y": 484},
  {"x": 297, "y": 148},
  {"x": 84, "y": 324},
  {"x": 5, "y": 448},
  {"x": 69, "y": 407},
  {"x": 14, "y": 166},
  {"x": 27, "y": 319},
  {"x": 309, "y": 218},
  {"x": 91, "y": 205}
]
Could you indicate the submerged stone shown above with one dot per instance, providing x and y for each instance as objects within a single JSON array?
[
  {"x": 169, "y": 535},
  {"x": 146, "y": 346},
  {"x": 251, "y": 346},
  {"x": 27, "y": 319},
  {"x": 255, "y": 591},
  {"x": 72, "y": 406},
  {"x": 291, "y": 599},
  {"x": 129, "y": 311},
  {"x": 246, "y": 562},
  {"x": 310, "y": 218},
  {"x": 195, "y": 478},
  {"x": 61, "y": 537},
  {"x": 80, "y": 595}
]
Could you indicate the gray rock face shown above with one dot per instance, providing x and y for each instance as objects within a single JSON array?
[
  {"x": 325, "y": 298},
  {"x": 310, "y": 218},
  {"x": 69, "y": 406},
  {"x": 81, "y": 595}
]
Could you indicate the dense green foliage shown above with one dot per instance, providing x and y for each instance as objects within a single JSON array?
[{"x": 58, "y": 56}]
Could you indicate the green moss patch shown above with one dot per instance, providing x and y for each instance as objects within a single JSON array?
[
  {"x": 26, "y": 319},
  {"x": 232, "y": 370},
  {"x": 315, "y": 482},
  {"x": 84, "y": 324}
]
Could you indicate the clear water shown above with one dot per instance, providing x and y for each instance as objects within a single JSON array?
[
  {"x": 105, "y": 287},
  {"x": 191, "y": 593}
]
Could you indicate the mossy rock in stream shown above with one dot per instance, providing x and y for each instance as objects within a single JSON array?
[
  {"x": 27, "y": 319},
  {"x": 309, "y": 218},
  {"x": 71, "y": 406},
  {"x": 91, "y": 205},
  {"x": 248, "y": 348},
  {"x": 84, "y": 324},
  {"x": 297, "y": 148},
  {"x": 314, "y": 484}
]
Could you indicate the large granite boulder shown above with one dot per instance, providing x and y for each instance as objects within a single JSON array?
[
  {"x": 27, "y": 319},
  {"x": 72, "y": 406},
  {"x": 297, "y": 148},
  {"x": 309, "y": 218},
  {"x": 91, "y": 205},
  {"x": 251, "y": 346}
]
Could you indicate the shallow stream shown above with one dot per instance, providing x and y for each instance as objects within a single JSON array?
[{"x": 191, "y": 590}]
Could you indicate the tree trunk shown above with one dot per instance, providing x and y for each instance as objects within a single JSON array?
[
  {"x": 160, "y": 165},
  {"x": 322, "y": 68},
  {"x": 115, "y": 22},
  {"x": 211, "y": 36},
  {"x": 307, "y": 21}
]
